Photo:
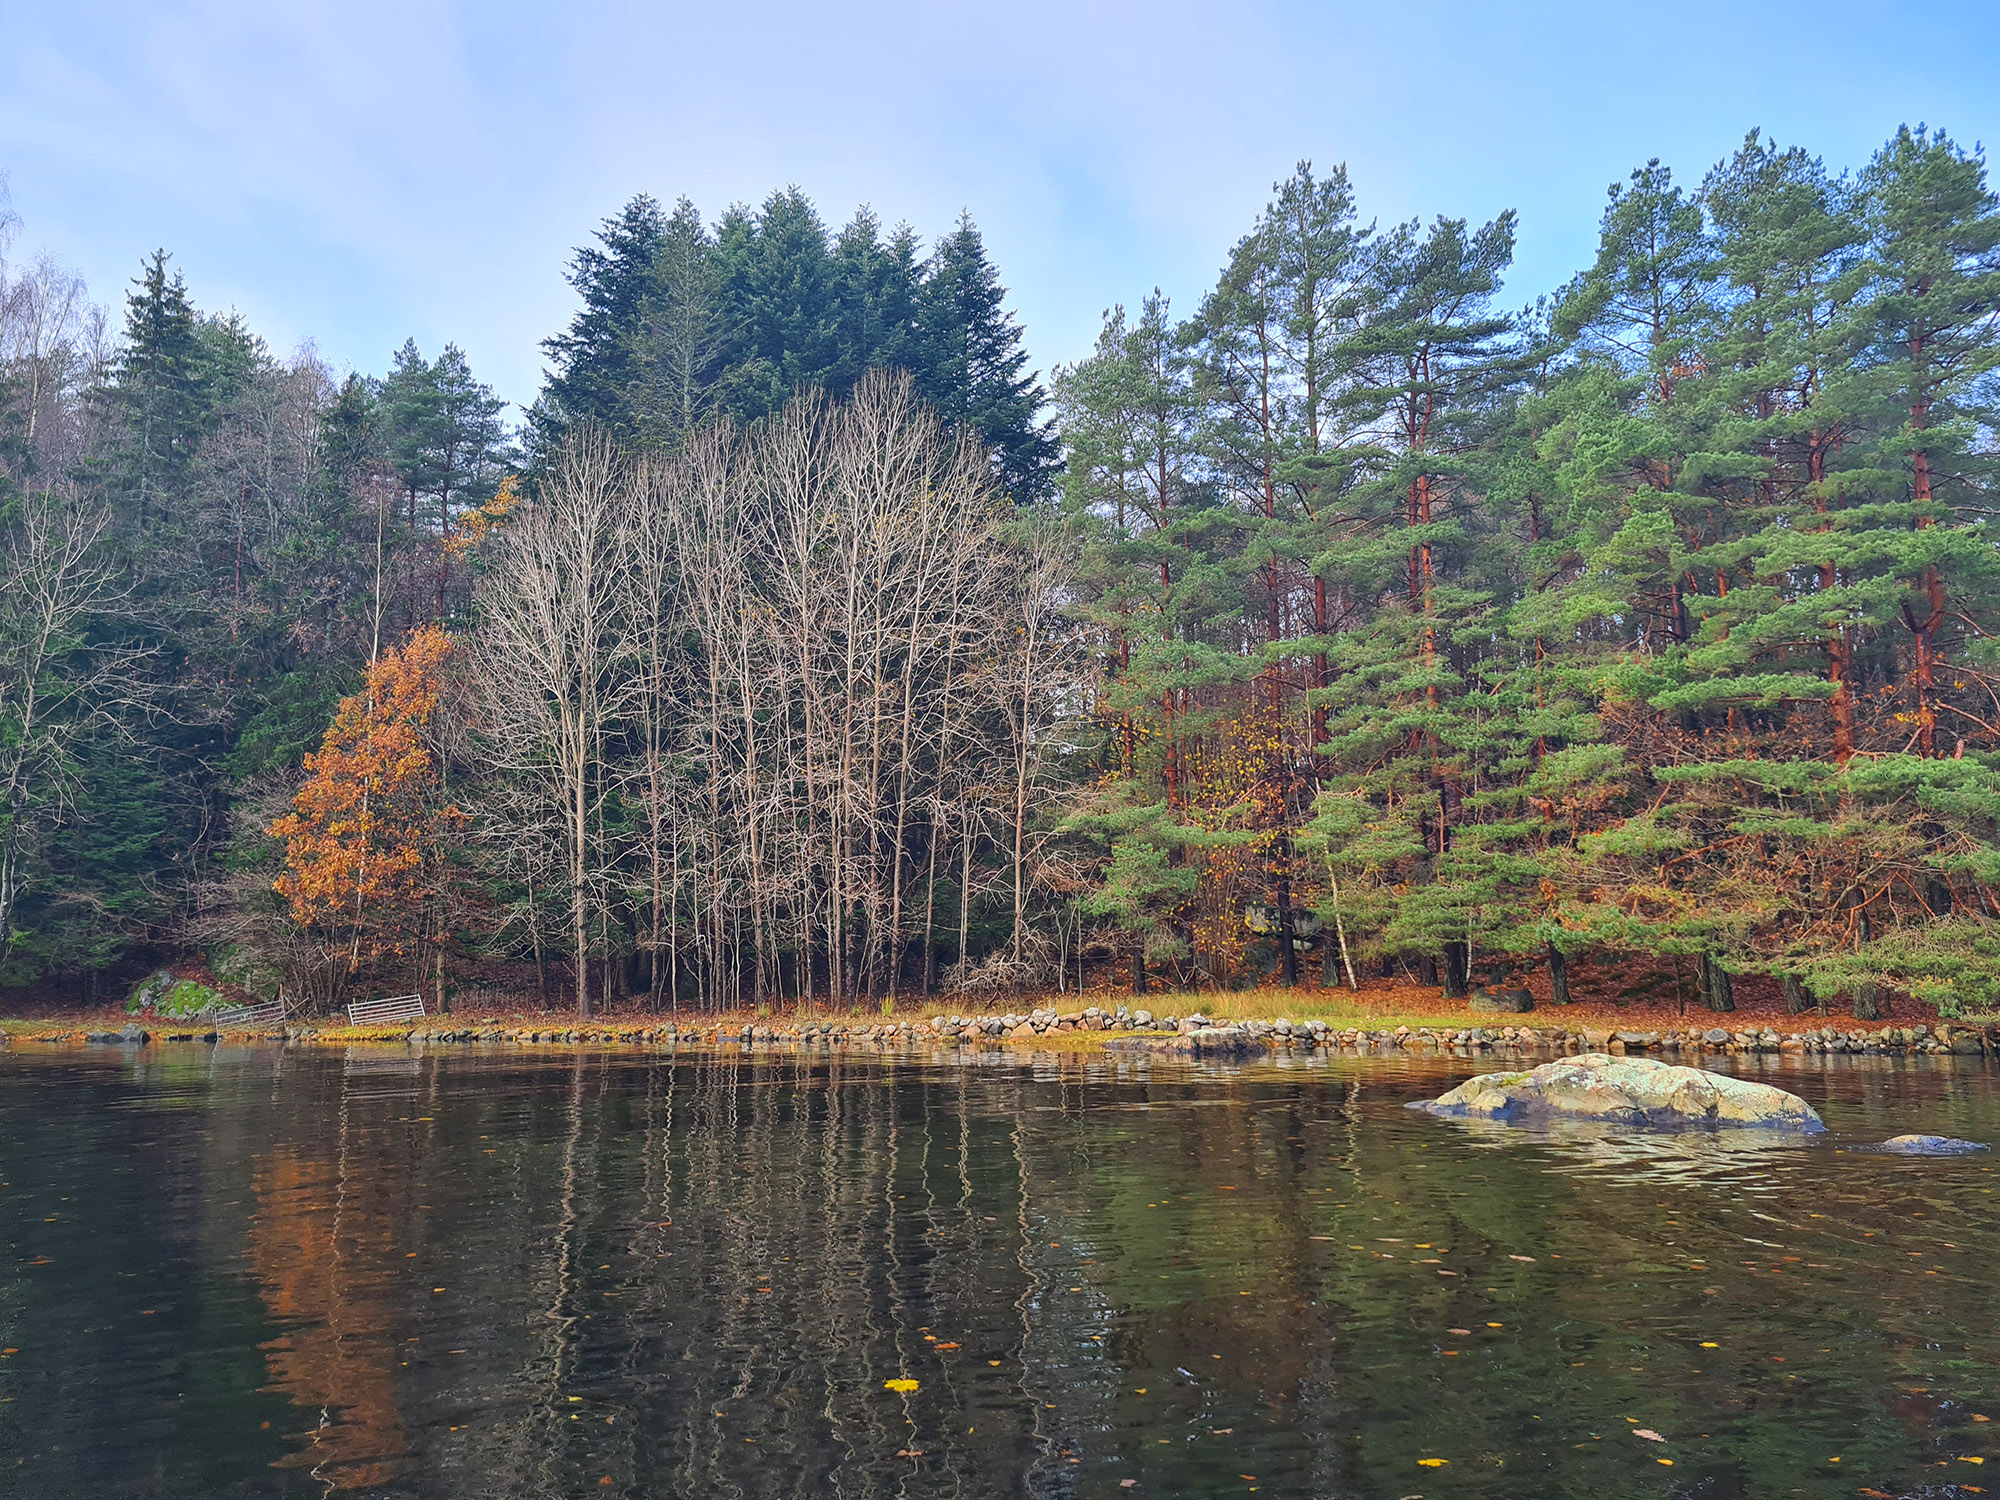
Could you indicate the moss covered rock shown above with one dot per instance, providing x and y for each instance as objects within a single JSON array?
[
  {"x": 161, "y": 994},
  {"x": 1631, "y": 1091}
]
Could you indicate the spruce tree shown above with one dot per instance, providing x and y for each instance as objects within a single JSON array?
[
  {"x": 592, "y": 372},
  {"x": 873, "y": 286},
  {"x": 683, "y": 336},
  {"x": 777, "y": 292},
  {"x": 160, "y": 391},
  {"x": 969, "y": 363}
]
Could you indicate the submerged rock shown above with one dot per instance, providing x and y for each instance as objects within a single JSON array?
[
  {"x": 1929, "y": 1145},
  {"x": 1634, "y": 1091}
]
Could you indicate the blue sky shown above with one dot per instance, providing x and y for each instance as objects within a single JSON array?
[{"x": 361, "y": 171}]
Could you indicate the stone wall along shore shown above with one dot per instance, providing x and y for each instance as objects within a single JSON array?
[{"x": 1120, "y": 1029}]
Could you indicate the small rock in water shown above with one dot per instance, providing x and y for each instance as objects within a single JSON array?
[{"x": 1929, "y": 1145}]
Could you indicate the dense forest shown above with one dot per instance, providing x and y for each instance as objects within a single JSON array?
[{"x": 802, "y": 643}]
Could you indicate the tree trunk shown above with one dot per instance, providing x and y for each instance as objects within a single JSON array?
[
  {"x": 964, "y": 908},
  {"x": 1868, "y": 1001},
  {"x": 1320, "y": 679},
  {"x": 1796, "y": 998},
  {"x": 579, "y": 925},
  {"x": 1288, "y": 952},
  {"x": 930, "y": 919},
  {"x": 1457, "y": 963},
  {"x": 1717, "y": 993},
  {"x": 1558, "y": 975},
  {"x": 1840, "y": 670},
  {"x": 1340, "y": 937}
]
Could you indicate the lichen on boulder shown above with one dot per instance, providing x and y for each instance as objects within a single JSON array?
[{"x": 1632, "y": 1091}]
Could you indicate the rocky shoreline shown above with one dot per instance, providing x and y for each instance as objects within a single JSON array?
[{"x": 1117, "y": 1030}]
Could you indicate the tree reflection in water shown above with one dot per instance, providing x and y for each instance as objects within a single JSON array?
[{"x": 568, "y": 1272}]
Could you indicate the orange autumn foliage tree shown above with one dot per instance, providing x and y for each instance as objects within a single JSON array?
[{"x": 366, "y": 836}]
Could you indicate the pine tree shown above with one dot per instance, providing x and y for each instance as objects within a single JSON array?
[
  {"x": 445, "y": 443},
  {"x": 1269, "y": 341},
  {"x": 1406, "y": 732},
  {"x": 681, "y": 321},
  {"x": 1134, "y": 489},
  {"x": 1774, "y": 818},
  {"x": 1643, "y": 304},
  {"x": 1934, "y": 263}
]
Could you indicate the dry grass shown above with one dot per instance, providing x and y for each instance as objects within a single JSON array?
[{"x": 1382, "y": 1005}]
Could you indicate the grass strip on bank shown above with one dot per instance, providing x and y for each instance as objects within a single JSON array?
[{"x": 1381, "y": 1006}]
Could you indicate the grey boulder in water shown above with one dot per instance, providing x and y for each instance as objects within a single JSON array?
[
  {"x": 1630, "y": 1091},
  {"x": 1929, "y": 1145}
]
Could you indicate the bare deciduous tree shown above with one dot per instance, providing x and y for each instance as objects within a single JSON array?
[
  {"x": 813, "y": 665},
  {"x": 552, "y": 654},
  {"x": 64, "y": 678}
]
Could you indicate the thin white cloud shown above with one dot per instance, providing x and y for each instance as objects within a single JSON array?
[{"x": 359, "y": 172}]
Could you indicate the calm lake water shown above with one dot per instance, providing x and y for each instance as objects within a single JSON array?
[{"x": 266, "y": 1272}]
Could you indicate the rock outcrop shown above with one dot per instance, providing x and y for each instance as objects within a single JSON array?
[
  {"x": 1630, "y": 1091},
  {"x": 1506, "y": 1001}
]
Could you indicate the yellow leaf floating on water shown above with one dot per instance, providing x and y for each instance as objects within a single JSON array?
[
  {"x": 1433, "y": 1463},
  {"x": 1966, "y": 1459},
  {"x": 899, "y": 1385},
  {"x": 1711, "y": 1346}
]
